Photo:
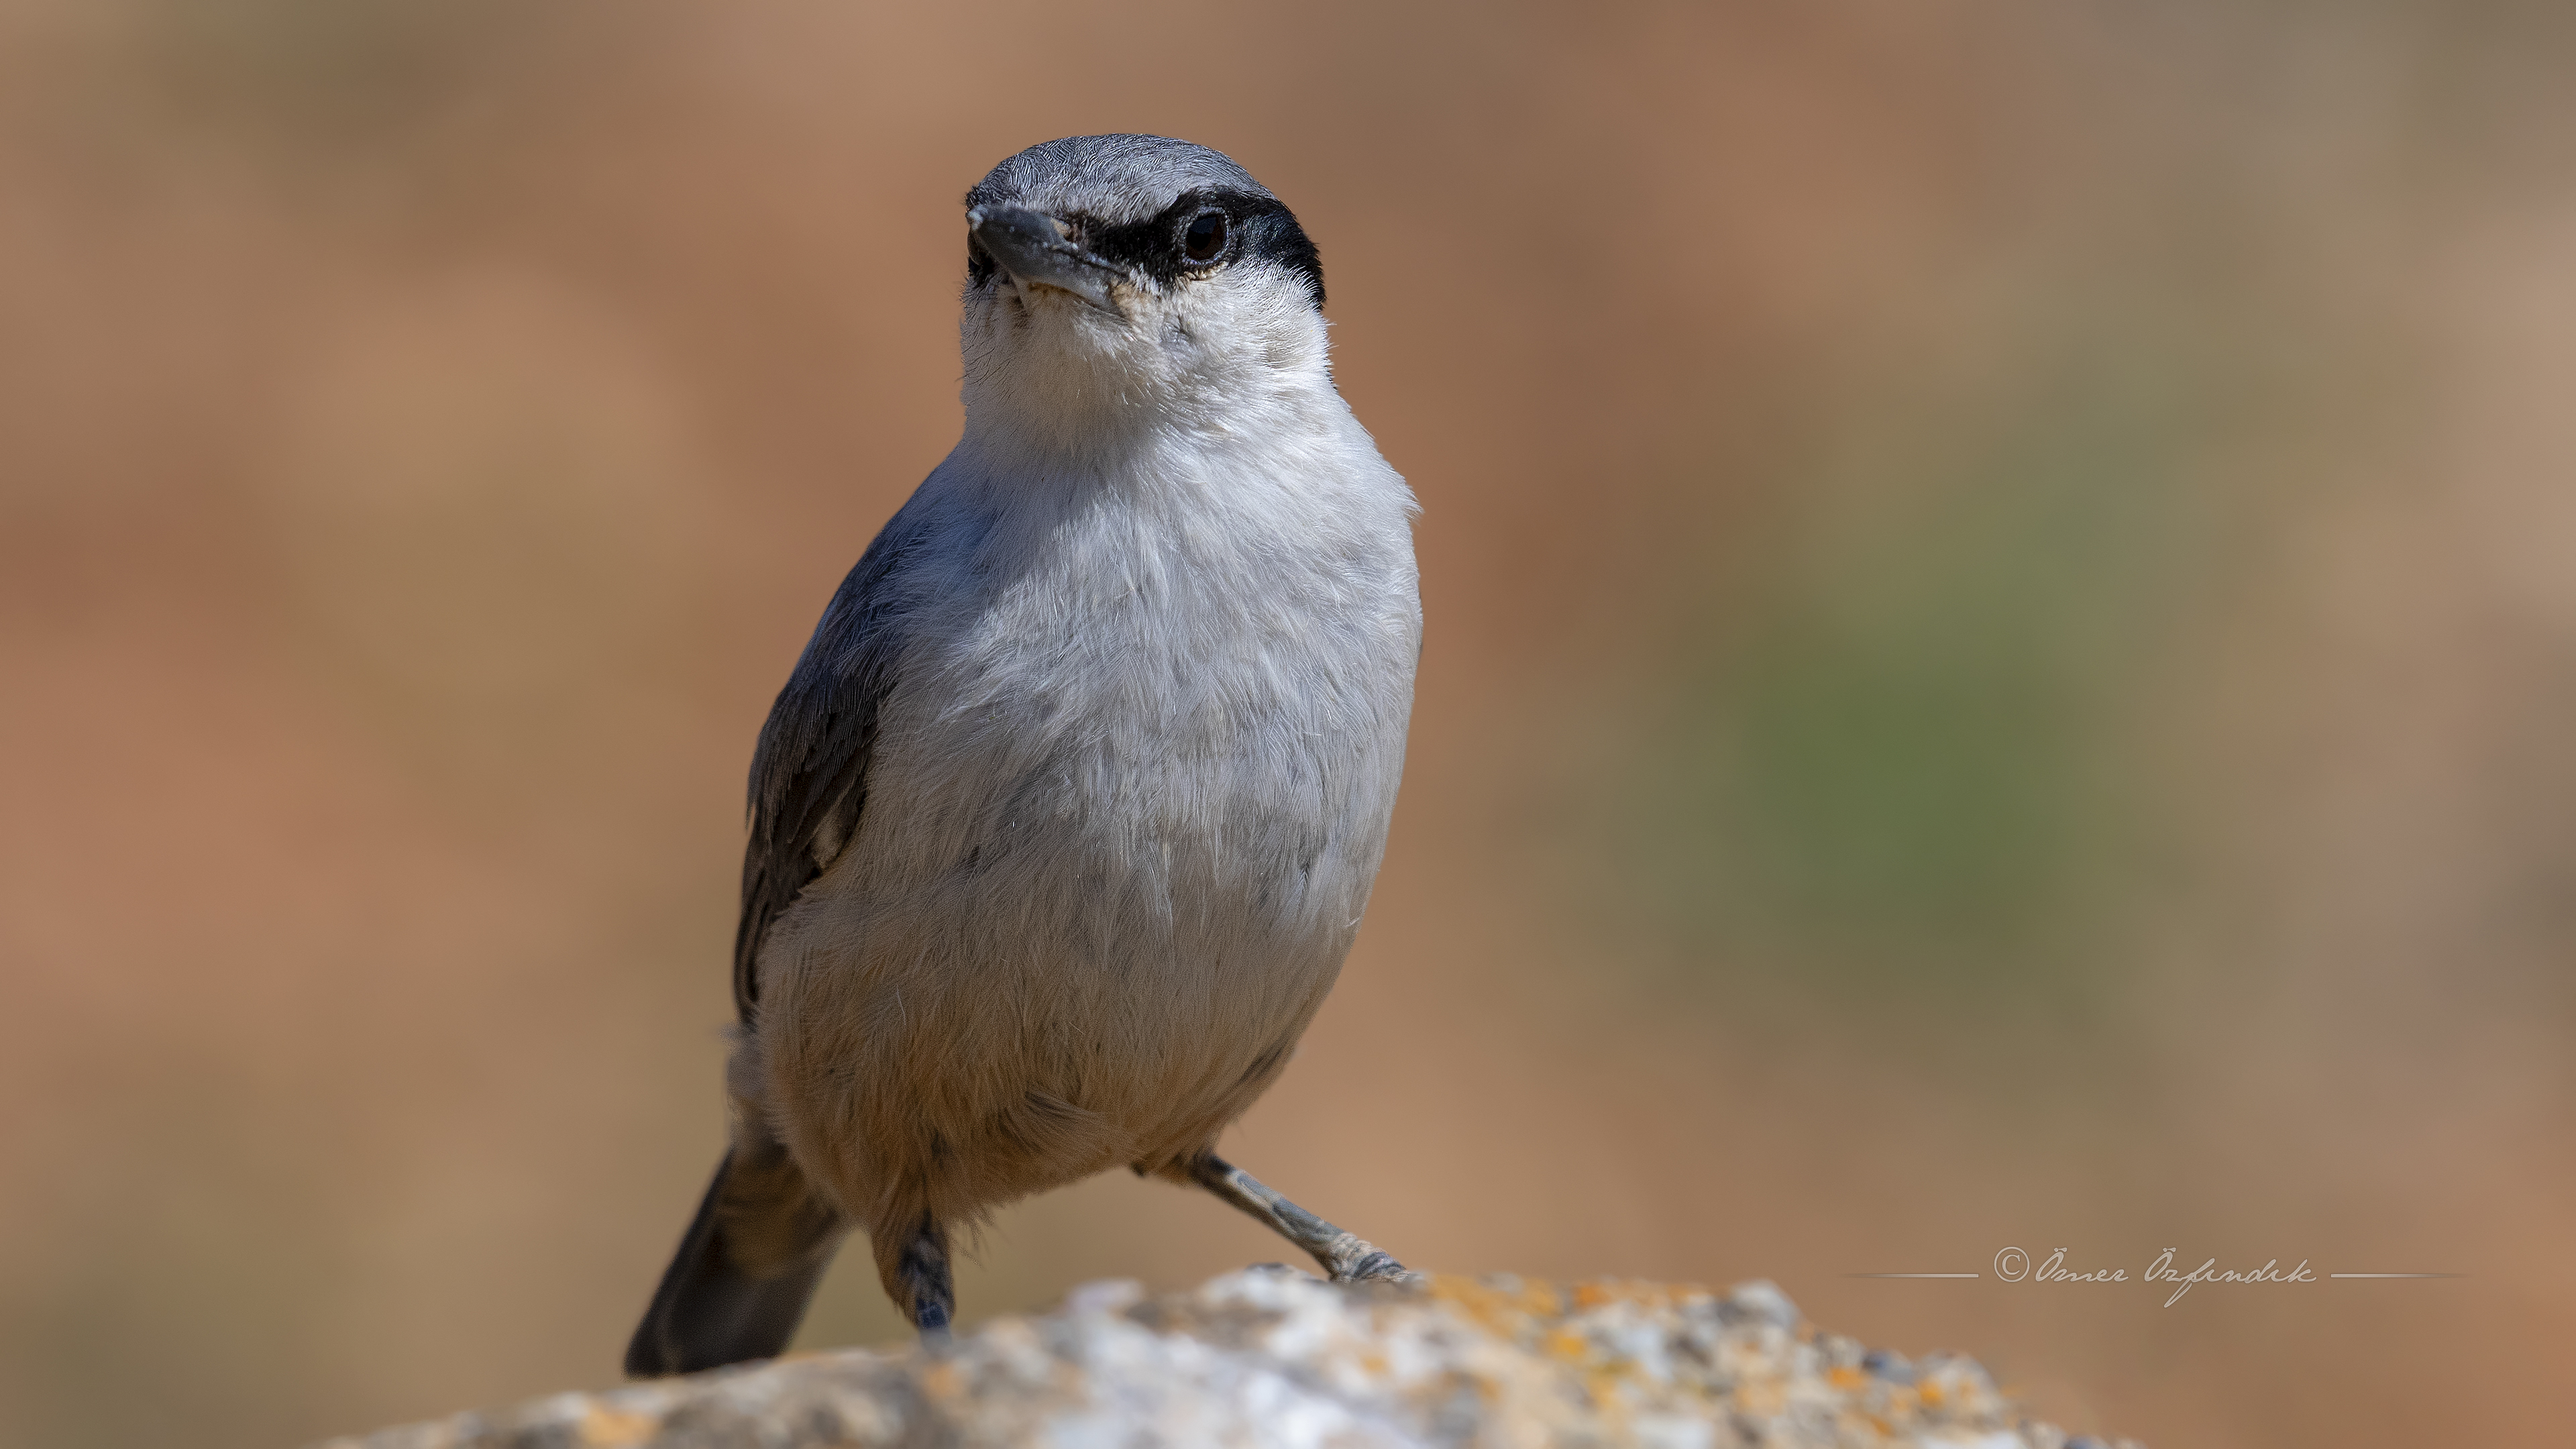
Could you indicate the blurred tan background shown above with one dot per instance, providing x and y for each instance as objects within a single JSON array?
[{"x": 2002, "y": 589}]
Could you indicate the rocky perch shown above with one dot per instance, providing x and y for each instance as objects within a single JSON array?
[{"x": 1270, "y": 1357}]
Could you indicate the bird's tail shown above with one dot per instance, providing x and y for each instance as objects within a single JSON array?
[{"x": 745, "y": 1270}]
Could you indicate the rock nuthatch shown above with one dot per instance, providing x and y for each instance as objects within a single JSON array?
[{"x": 1064, "y": 823}]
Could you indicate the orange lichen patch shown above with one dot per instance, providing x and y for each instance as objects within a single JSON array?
[
  {"x": 1497, "y": 1309},
  {"x": 1602, "y": 1386},
  {"x": 603, "y": 1428},
  {"x": 1845, "y": 1378},
  {"x": 1932, "y": 1393},
  {"x": 1763, "y": 1396},
  {"x": 1601, "y": 1293},
  {"x": 942, "y": 1381},
  {"x": 1566, "y": 1344}
]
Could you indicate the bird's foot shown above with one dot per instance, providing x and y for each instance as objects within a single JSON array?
[
  {"x": 1354, "y": 1260},
  {"x": 1345, "y": 1257}
]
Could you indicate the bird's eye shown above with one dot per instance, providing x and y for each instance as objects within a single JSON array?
[{"x": 1205, "y": 236}]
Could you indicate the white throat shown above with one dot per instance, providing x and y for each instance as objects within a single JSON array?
[{"x": 1052, "y": 383}]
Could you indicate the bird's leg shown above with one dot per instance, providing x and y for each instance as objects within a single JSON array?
[
  {"x": 923, "y": 1267},
  {"x": 1346, "y": 1257}
]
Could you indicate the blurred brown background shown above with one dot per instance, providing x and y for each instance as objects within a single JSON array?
[{"x": 2002, "y": 586}]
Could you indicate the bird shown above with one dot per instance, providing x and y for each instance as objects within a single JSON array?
[{"x": 1066, "y": 817}]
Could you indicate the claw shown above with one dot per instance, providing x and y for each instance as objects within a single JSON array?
[{"x": 1375, "y": 1265}]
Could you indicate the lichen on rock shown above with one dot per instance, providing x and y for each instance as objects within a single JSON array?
[{"x": 1270, "y": 1357}]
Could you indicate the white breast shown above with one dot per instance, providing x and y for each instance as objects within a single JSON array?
[{"x": 1125, "y": 806}]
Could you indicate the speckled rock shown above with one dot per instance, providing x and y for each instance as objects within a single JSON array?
[{"x": 1274, "y": 1358}]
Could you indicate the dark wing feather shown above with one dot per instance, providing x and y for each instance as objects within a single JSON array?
[{"x": 809, "y": 777}]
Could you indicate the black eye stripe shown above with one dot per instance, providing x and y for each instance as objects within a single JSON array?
[{"x": 1257, "y": 228}]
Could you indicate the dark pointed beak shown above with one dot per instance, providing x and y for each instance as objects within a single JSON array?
[{"x": 1031, "y": 246}]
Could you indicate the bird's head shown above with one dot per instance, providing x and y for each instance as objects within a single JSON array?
[{"x": 1118, "y": 281}]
